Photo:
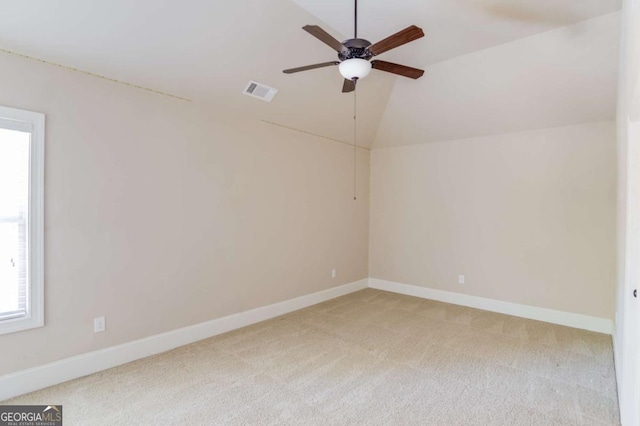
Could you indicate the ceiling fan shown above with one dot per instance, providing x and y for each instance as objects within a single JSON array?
[{"x": 355, "y": 54}]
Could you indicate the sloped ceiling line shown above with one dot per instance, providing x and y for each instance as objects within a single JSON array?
[
  {"x": 314, "y": 134},
  {"x": 113, "y": 80}
]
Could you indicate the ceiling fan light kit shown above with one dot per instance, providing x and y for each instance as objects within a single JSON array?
[
  {"x": 355, "y": 54},
  {"x": 355, "y": 68}
]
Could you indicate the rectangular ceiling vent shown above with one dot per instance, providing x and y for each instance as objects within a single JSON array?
[{"x": 260, "y": 91}]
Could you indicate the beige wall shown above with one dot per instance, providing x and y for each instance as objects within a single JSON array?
[
  {"x": 160, "y": 215},
  {"x": 527, "y": 218}
]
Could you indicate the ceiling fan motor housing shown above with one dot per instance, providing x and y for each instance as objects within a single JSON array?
[{"x": 357, "y": 48}]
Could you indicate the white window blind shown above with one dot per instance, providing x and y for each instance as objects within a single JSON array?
[{"x": 21, "y": 219}]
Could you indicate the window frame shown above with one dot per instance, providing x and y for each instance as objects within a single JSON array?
[{"x": 33, "y": 122}]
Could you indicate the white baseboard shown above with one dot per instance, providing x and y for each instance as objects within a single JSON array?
[
  {"x": 600, "y": 325},
  {"x": 40, "y": 377},
  {"x": 32, "y": 379}
]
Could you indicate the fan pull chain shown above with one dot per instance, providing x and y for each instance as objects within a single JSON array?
[{"x": 355, "y": 141}]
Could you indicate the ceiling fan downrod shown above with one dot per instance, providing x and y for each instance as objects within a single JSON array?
[{"x": 355, "y": 20}]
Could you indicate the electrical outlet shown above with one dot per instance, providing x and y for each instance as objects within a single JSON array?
[
  {"x": 99, "y": 324},
  {"x": 460, "y": 279},
  {"x": 333, "y": 273}
]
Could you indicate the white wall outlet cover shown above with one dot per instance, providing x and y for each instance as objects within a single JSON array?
[
  {"x": 99, "y": 324},
  {"x": 333, "y": 273},
  {"x": 460, "y": 279}
]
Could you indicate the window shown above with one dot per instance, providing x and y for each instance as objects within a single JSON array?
[{"x": 21, "y": 219}]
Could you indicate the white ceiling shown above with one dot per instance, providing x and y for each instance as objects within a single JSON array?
[
  {"x": 202, "y": 50},
  {"x": 207, "y": 50},
  {"x": 453, "y": 27},
  {"x": 562, "y": 77}
]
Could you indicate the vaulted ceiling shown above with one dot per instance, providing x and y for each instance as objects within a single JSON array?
[
  {"x": 558, "y": 78},
  {"x": 454, "y": 27},
  {"x": 207, "y": 51}
]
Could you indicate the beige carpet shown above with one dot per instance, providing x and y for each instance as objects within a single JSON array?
[{"x": 370, "y": 358}]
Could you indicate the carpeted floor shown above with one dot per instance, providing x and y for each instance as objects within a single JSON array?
[{"x": 369, "y": 358}]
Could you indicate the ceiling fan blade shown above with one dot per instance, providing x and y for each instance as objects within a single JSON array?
[
  {"x": 311, "y": 67},
  {"x": 325, "y": 37},
  {"x": 402, "y": 70},
  {"x": 348, "y": 86},
  {"x": 398, "y": 39}
]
